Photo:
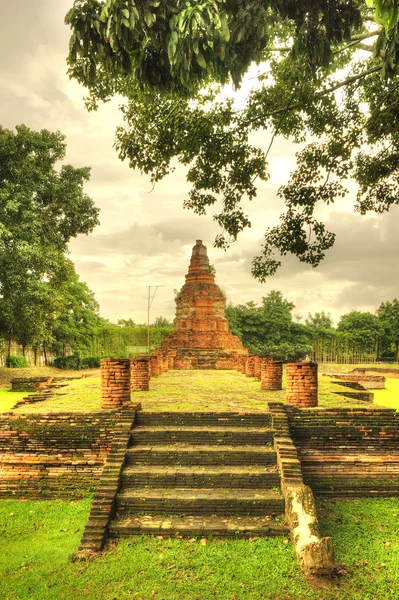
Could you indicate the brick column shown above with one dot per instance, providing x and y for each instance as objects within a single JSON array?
[
  {"x": 154, "y": 366},
  {"x": 165, "y": 362},
  {"x": 115, "y": 382},
  {"x": 271, "y": 375},
  {"x": 140, "y": 373},
  {"x": 302, "y": 384},
  {"x": 249, "y": 366},
  {"x": 257, "y": 367},
  {"x": 171, "y": 359}
]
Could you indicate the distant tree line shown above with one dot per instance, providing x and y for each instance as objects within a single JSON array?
[{"x": 271, "y": 328}]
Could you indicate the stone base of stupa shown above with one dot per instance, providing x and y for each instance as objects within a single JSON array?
[{"x": 197, "y": 358}]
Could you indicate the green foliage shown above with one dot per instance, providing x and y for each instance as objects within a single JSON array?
[
  {"x": 16, "y": 362},
  {"x": 269, "y": 329},
  {"x": 76, "y": 362},
  {"x": 388, "y": 313},
  {"x": 41, "y": 209},
  {"x": 41, "y": 537},
  {"x": 169, "y": 60}
]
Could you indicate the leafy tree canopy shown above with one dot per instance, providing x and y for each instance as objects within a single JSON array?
[
  {"x": 269, "y": 328},
  {"x": 328, "y": 82},
  {"x": 388, "y": 313},
  {"x": 41, "y": 208}
]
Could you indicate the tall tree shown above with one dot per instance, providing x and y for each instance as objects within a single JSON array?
[
  {"x": 388, "y": 312},
  {"x": 41, "y": 209},
  {"x": 328, "y": 79},
  {"x": 362, "y": 332},
  {"x": 77, "y": 322},
  {"x": 323, "y": 336}
]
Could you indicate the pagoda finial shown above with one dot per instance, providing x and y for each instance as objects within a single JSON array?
[{"x": 199, "y": 268}]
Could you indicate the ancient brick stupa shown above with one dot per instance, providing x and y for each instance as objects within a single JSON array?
[{"x": 202, "y": 339}]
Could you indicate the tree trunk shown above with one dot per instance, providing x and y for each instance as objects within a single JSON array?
[
  {"x": 397, "y": 351},
  {"x": 45, "y": 355}
]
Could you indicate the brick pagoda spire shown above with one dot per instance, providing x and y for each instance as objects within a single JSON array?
[{"x": 201, "y": 338}]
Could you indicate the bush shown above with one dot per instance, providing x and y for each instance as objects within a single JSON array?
[
  {"x": 16, "y": 362},
  {"x": 75, "y": 362}
]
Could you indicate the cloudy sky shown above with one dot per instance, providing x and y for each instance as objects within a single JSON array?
[{"x": 145, "y": 237}]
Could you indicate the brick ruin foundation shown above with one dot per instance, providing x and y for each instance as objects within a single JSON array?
[
  {"x": 271, "y": 375},
  {"x": 53, "y": 455},
  {"x": 201, "y": 338},
  {"x": 115, "y": 382},
  {"x": 302, "y": 388},
  {"x": 140, "y": 373}
]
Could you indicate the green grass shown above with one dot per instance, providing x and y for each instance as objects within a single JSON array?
[
  {"x": 8, "y": 399},
  {"x": 390, "y": 396},
  {"x": 200, "y": 391},
  {"x": 40, "y": 538},
  {"x": 205, "y": 391},
  {"x": 78, "y": 395}
]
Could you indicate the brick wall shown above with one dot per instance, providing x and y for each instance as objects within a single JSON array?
[
  {"x": 347, "y": 452},
  {"x": 53, "y": 455}
]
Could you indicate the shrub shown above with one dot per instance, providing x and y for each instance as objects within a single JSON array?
[
  {"x": 75, "y": 362},
  {"x": 16, "y": 362}
]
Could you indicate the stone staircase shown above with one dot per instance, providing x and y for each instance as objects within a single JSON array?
[{"x": 190, "y": 474}]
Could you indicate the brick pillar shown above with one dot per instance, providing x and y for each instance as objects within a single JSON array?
[
  {"x": 165, "y": 362},
  {"x": 154, "y": 367},
  {"x": 271, "y": 375},
  {"x": 257, "y": 367},
  {"x": 249, "y": 366},
  {"x": 302, "y": 384},
  {"x": 171, "y": 359},
  {"x": 140, "y": 373},
  {"x": 115, "y": 382}
]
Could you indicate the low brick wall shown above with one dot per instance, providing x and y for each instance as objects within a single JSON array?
[
  {"x": 302, "y": 388},
  {"x": 29, "y": 384},
  {"x": 367, "y": 382},
  {"x": 53, "y": 455},
  {"x": 385, "y": 372},
  {"x": 347, "y": 452},
  {"x": 154, "y": 366}
]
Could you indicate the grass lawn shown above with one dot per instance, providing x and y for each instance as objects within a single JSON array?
[
  {"x": 198, "y": 391},
  {"x": 390, "y": 396},
  {"x": 40, "y": 538},
  {"x": 8, "y": 399}
]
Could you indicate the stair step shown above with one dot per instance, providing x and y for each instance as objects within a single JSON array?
[
  {"x": 199, "y": 476},
  {"x": 203, "y": 419},
  {"x": 198, "y": 526},
  {"x": 180, "y": 454},
  {"x": 205, "y": 501},
  {"x": 234, "y": 436}
]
